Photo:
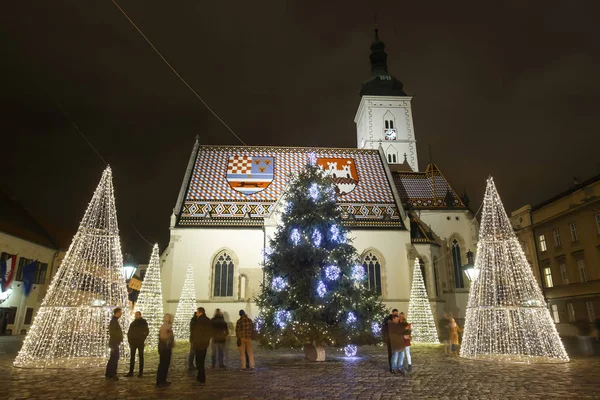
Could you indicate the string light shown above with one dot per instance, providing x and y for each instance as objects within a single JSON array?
[
  {"x": 332, "y": 272},
  {"x": 375, "y": 328},
  {"x": 350, "y": 350},
  {"x": 317, "y": 238},
  {"x": 336, "y": 236},
  {"x": 358, "y": 273},
  {"x": 419, "y": 310},
  {"x": 186, "y": 307},
  {"x": 150, "y": 300},
  {"x": 70, "y": 329},
  {"x": 295, "y": 236},
  {"x": 313, "y": 191},
  {"x": 278, "y": 284},
  {"x": 351, "y": 319},
  {"x": 282, "y": 318},
  {"x": 506, "y": 314},
  {"x": 321, "y": 289}
]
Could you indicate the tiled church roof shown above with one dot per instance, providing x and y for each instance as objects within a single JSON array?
[
  {"x": 239, "y": 185},
  {"x": 426, "y": 190}
]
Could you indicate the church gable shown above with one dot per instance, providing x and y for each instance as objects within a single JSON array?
[
  {"x": 426, "y": 190},
  {"x": 239, "y": 186}
]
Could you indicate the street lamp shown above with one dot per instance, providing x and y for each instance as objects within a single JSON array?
[
  {"x": 128, "y": 271},
  {"x": 5, "y": 295},
  {"x": 470, "y": 270}
]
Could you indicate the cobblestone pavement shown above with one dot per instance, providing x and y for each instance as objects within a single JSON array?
[{"x": 287, "y": 375}]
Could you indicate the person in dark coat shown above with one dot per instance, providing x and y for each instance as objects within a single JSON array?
[
  {"x": 384, "y": 330},
  {"x": 115, "y": 338},
  {"x": 396, "y": 338},
  {"x": 166, "y": 341},
  {"x": 444, "y": 334},
  {"x": 201, "y": 335},
  {"x": 136, "y": 336},
  {"x": 219, "y": 337},
  {"x": 192, "y": 353}
]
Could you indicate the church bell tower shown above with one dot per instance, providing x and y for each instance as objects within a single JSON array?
[{"x": 384, "y": 116}]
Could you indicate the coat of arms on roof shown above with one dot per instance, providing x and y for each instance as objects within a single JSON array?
[
  {"x": 250, "y": 174},
  {"x": 342, "y": 172}
]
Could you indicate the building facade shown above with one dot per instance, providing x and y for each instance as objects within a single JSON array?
[
  {"x": 23, "y": 237},
  {"x": 561, "y": 238},
  {"x": 229, "y": 202}
]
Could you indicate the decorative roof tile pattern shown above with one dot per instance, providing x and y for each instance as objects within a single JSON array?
[
  {"x": 426, "y": 190},
  {"x": 211, "y": 199}
]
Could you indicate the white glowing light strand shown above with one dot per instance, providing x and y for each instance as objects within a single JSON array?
[
  {"x": 278, "y": 284},
  {"x": 336, "y": 235},
  {"x": 358, "y": 273},
  {"x": 70, "y": 329},
  {"x": 317, "y": 238},
  {"x": 351, "y": 319},
  {"x": 282, "y": 318},
  {"x": 150, "y": 300},
  {"x": 313, "y": 191},
  {"x": 507, "y": 318},
  {"x": 321, "y": 289},
  {"x": 419, "y": 310},
  {"x": 332, "y": 272},
  {"x": 295, "y": 237},
  {"x": 312, "y": 159},
  {"x": 186, "y": 307}
]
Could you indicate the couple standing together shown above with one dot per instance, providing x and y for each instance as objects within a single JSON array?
[{"x": 397, "y": 335}]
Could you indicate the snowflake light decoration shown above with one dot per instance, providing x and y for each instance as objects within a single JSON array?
[
  {"x": 312, "y": 159},
  {"x": 375, "y": 328},
  {"x": 313, "y": 191},
  {"x": 332, "y": 272},
  {"x": 350, "y": 350},
  {"x": 278, "y": 284},
  {"x": 282, "y": 318},
  {"x": 321, "y": 289},
  {"x": 317, "y": 238},
  {"x": 351, "y": 318},
  {"x": 295, "y": 236},
  {"x": 358, "y": 273},
  {"x": 336, "y": 235}
]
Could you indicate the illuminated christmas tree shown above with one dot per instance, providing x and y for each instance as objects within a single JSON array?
[
  {"x": 186, "y": 307},
  {"x": 507, "y": 318},
  {"x": 71, "y": 327},
  {"x": 419, "y": 310},
  {"x": 314, "y": 291},
  {"x": 150, "y": 300}
]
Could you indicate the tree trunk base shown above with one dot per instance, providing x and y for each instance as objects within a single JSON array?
[{"x": 314, "y": 353}]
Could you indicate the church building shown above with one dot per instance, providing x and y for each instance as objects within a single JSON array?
[{"x": 229, "y": 202}]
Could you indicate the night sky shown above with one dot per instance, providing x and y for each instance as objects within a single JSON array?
[{"x": 512, "y": 91}]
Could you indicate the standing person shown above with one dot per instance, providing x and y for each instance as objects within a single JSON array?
[
  {"x": 243, "y": 330},
  {"x": 407, "y": 338},
  {"x": 386, "y": 339},
  {"x": 166, "y": 341},
  {"x": 115, "y": 338},
  {"x": 396, "y": 338},
  {"x": 201, "y": 334},
  {"x": 444, "y": 334},
  {"x": 136, "y": 336},
  {"x": 453, "y": 330},
  {"x": 219, "y": 337},
  {"x": 192, "y": 353}
]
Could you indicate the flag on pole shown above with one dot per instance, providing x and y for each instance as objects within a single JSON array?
[
  {"x": 7, "y": 270},
  {"x": 29, "y": 272}
]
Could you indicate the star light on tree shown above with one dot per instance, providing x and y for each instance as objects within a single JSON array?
[
  {"x": 324, "y": 303},
  {"x": 186, "y": 307},
  {"x": 419, "y": 310},
  {"x": 150, "y": 300},
  {"x": 507, "y": 318},
  {"x": 70, "y": 329}
]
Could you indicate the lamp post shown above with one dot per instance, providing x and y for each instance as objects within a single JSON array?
[
  {"x": 470, "y": 270},
  {"x": 128, "y": 271}
]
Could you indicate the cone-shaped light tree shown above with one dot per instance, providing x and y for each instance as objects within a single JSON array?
[
  {"x": 186, "y": 307},
  {"x": 70, "y": 329},
  {"x": 507, "y": 318},
  {"x": 314, "y": 291},
  {"x": 150, "y": 300},
  {"x": 419, "y": 310}
]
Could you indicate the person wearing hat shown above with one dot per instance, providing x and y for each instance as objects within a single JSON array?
[{"x": 244, "y": 328}]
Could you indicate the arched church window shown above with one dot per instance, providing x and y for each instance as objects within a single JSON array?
[
  {"x": 391, "y": 124},
  {"x": 387, "y": 124},
  {"x": 394, "y": 158},
  {"x": 423, "y": 273},
  {"x": 457, "y": 261},
  {"x": 373, "y": 271},
  {"x": 223, "y": 275},
  {"x": 389, "y": 158}
]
